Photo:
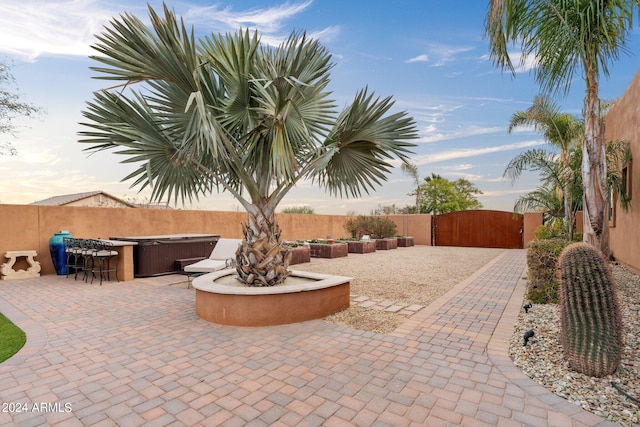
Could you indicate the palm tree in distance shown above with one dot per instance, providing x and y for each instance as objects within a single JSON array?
[
  {"x": 568, "y": 38},
  {"x": 558, "y": 185},
  {"x": 229, "y": 113},
  {"x": 561, "y": 130},
  {"x": 411, "y": 169}
]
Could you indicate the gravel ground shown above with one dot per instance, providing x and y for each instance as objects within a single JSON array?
[
  {"x": 542, "y": 359},
  {"x": 413, "y": 275}
]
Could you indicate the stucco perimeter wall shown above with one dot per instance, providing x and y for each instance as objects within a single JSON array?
[
  {"x": 27, "y": 227},
  {"x": 531, "y": 221},
  {"x": 623, "y": 123},
  {"x": 417, "y": 226}
]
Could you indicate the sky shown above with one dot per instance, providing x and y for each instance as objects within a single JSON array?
[{"x": 431, "y": 56}]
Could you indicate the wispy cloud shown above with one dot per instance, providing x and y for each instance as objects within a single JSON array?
[
  {"x": 441, "y": 54},
  {"x": 446, "y": 53},
  {"x": 471, "y": 152},
  {"x": 29, "y": 29},
  {"x": 501, "y": 193},
  {"x": 462, "y": 167},
  {"x": 432, "y": 134},
  {"x": 269, "y": 20},
  {"x": 44, "y": 27},
  {"x": 520, "y": 64},
  {"x": 419, "y": 58}
]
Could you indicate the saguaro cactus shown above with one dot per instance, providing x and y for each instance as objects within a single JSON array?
[{"x": 590, "y": 318}]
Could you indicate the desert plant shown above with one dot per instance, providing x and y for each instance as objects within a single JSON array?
[
  {"x": 359, "y": 226},
  {"x": 383, "y": 228},
  {"x": 299, "y": 210},
  {"x": 229, "y": 112},
  {"x": 542, "y": 258},
  {"x": 551, "y": 230},
  {"x": 375, "y": 226},
  {"x": 590, "y": 317}
]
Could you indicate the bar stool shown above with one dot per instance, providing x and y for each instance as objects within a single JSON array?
[
  {"x": 103, "y": 253},
  {"x": 75, "y": 255}
]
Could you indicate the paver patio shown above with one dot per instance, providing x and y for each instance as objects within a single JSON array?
[{"x": 136, "y": 354}]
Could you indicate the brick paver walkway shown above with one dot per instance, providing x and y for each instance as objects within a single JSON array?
[{"x": 135, "y": 353}]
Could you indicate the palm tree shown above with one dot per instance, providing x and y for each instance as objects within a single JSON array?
[
  {"x": 551, "y": 196},
  {"x": 229, "y": 113},
  {"x": 557, "y": 187},
  {"x": 567, "y": 38},
  {"x": 559, "y": 129},
  {"x": 411, "y": 169}
]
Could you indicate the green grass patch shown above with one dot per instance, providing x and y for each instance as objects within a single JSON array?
[{"x": 12, "y": 338}]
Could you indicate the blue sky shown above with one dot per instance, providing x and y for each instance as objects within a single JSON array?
[{"x": 431, "y": 56}]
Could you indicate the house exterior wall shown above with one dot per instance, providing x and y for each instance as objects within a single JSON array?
[{"x": 623, "y": 123}]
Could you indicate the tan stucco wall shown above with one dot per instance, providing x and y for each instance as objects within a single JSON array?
[
  {"x": 532, "y": 220},
  {"x": 26, "y": 227},
  {"x": 417, "y": 226},
  {"x": 623, "y": 123}
]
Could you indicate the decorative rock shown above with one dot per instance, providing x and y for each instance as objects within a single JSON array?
[{"x": 542, "y": 359}]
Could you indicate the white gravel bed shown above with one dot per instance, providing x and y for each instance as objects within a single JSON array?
[
  {"x": 414, "y": 275},
  {"x": 542, "y": 358}
]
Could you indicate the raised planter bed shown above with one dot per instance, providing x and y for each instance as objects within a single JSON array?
[
  {"x": 328, "y": 250},
  {"x": 405, "y": 241},
  {"x": 361, "y": 246},
  {"x": 303, "y": 296},
  {"x": 299, "y": 254},
  {"x": 386, "y": 244}
]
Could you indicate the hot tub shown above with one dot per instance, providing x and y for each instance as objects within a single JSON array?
[{"x": 157, "y": 255}]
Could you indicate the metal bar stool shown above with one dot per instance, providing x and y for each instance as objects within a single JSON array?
[
  {"x": 75, "y": 255},
  {"x": 103, "y": 253}
]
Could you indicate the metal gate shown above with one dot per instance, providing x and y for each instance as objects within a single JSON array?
[{"x": 482, "y": 229}]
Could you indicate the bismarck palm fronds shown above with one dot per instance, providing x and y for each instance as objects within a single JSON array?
[{"x": 229, "y": 113}]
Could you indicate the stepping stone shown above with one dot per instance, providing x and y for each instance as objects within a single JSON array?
[{"x": 367, "y": 304}]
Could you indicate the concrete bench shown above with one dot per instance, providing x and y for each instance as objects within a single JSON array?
[{"x": 8, "y": 273}]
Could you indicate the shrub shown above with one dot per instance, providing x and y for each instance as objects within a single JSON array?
[
  {"x": 383, "y": 228},
  {"x": 358, "y": 226},
  {"x": 375, "y": 226},
  {"x": 551, "y": 230},
  {"x": 299, "y": 210},
  {"x": 590, "y": 317},
  {"x": 542, "y": 258}
]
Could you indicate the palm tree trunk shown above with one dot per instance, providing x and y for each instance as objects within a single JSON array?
[
  {"x": 567, "y": 178},
  {"x": 260, "y": 260},
  {"x": 568, "y": 223},
  {"x": 594, "y": 171}
]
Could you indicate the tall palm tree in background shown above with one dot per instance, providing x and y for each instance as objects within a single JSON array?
[
  {"x": 411, "y": 169},
  {"x": 229, "y": 113},
  {"x": 561, "y": 130},
  {"x": 566, "y": 38}
]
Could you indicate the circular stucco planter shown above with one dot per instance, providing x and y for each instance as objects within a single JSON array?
[{"x": 221, "y": 299}]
